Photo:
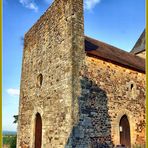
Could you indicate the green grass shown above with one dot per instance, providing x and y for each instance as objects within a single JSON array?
[
  {"x": 10, "y": 140},
  {"x": 139, "y": 146}
]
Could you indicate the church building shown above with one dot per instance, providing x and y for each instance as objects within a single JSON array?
[{"x": 76, "y": 91}]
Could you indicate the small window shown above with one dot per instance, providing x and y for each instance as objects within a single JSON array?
[
  {"x": 132, "y": 85},
  {"x": 39, "y": 80}
]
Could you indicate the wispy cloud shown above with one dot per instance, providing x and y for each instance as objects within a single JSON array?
[
  {"x": 13, "y": 92},
  {"x": 30, "y": 4},
  {"x": 90, "y": 4}
]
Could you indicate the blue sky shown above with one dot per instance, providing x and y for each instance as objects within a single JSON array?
[{"x": 117, "y": 22}]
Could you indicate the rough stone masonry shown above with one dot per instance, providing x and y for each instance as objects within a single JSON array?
[{"x": 68, "y": 98}]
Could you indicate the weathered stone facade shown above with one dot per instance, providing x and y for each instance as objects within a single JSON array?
[
  {"x": 53, "y": 51},
  {"x": 114, "y": 98},
  {"x": 107, "y": 96},
  {"x": 80, "y": 98}
]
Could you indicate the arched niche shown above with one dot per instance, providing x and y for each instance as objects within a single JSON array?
[{"x": 115, "y": 128}]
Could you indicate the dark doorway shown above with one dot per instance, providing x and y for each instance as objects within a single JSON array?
[
  {"x": 125, "y": 132},
  {"x": 38, "y": 131}
]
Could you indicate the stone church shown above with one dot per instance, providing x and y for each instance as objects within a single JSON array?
[{"x": 78, "y": 92}]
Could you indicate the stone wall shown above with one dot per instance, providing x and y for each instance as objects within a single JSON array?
[
  {"x": 52, "y": 59},
  {"x": 108, "y": 92},
  {"x": 94, "y": 120},
  {"x": 142, "y": 54}
]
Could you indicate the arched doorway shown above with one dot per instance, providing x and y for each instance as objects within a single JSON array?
[
  {"x": 125, "y": 132},
  {"x": 38, "y": 131}
]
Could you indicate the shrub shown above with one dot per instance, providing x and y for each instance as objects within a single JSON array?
[{"x": 10, "y": 140}]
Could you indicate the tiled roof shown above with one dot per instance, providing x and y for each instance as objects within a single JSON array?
[
  {"x": 140, "y": 44},
  {"x": 112, "y": 54}
]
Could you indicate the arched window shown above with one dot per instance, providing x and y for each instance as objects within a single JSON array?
[
  {"x": 39, "y": 80},
  {"x": 125, "y": 131},
  {"x": 38, "y": 131},
  {"x": 132, "y": 85}
]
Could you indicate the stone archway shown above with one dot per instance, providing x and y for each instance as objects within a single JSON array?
[
  {"x": 38, "y": 131},
  {"x": 124, "y": 127},
  {"x": 115, "y": 129}
]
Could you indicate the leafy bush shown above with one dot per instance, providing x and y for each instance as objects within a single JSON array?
[{"x": 10, "y": 140}]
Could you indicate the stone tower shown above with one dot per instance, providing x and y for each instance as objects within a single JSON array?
[{"x": 52, "y": 59}]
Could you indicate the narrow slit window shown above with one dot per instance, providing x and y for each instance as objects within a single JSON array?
[
  {"x": 39, "y": 80},
  {"x": 132, "y": 85}
]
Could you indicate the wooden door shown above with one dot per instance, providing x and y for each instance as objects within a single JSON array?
[
  {"x": 125, "y": 132},
  {"x": 38, "y": 131}
]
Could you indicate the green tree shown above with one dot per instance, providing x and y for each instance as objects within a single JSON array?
[{"x": 13, "y": 142}]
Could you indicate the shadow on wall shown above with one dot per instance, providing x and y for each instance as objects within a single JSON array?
[{"x": 94, "y": 127}]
